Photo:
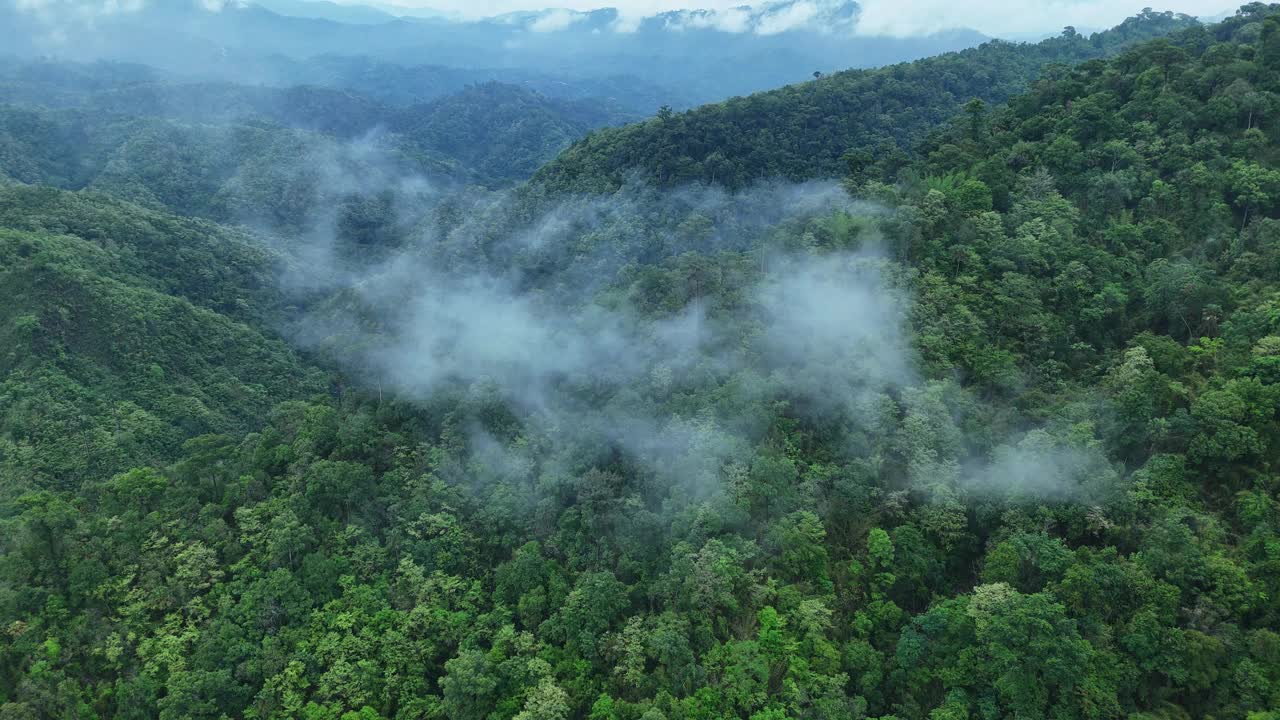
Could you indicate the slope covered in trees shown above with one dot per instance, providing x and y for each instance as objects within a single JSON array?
[
  {"x": 168, "y": 137},
  {"x": 803, "y": 131},
  {"x": 60, "y": 82},
  {"x": 127, "y": 332},
  {"x": 1000, "y": 440}
]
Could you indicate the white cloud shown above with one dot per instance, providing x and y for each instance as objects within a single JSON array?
[
  {"x": 61, "y": 19},
  {"x": 555, "y": 20},
  {"x": 79, "y": 8},
  {"x": 893, "y": 17},
  {"x": 770, "y": 18},
  {"x": 626, "y": 23},
  {"x": 734, "y": 20},
  {"x": 1000, "y": 17},
  {"x": 88, "y": 10},
  {"x": 791, "y": 16},
  {"x": 878, "y": 17}
]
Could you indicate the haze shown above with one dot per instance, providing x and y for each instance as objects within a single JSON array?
[{"x": 893, "y": 17}]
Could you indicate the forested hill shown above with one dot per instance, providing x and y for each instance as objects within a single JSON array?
[
  {"x": 997, "y": 439},
  {"x": 500, "y": 133},
  {"x": 78, "y": 126},
  {"x": 54, "y": 82},
  {"x": 803, "y": 131},
  {"x": 126, "y": 332}
]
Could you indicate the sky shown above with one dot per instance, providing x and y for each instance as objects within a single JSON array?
[{"x": 892, "y": 17}]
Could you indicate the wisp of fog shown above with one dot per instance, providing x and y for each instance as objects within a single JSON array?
[{"x": 554, "y": 316}]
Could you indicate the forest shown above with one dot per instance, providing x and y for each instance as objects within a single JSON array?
[{"x": 946, "y": 390}]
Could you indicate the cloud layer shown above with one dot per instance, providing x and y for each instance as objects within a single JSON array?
[
  {"x": 997, "y": 17},
  {"x": 873, "y": 17},
  {"x": 879, "y": 17},
  {"x": 665, "y": 327}
]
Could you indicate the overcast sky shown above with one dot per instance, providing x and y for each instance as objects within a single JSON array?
[{"x": 888, "y": 16}]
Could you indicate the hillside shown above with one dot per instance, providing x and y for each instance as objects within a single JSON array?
[
  {"x": 410, "y": 84},
  {"x": 804, "y": 131},
  {"x": 500, "y": 134},
  {"x": 183, "y": 147},
  {"x": 127, "y": 332},
  {"x": 61, "y": 83},
  {"x": 989, "y": 428}
]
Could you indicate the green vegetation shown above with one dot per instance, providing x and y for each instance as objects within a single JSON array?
[
  {"x": 804, "y": 131},
  {"x": 499, "y": 132},
  {"x": 1065, "y": 506},
  {"x": 125, "y": 333},
  {"x": 179, "y": 145}
]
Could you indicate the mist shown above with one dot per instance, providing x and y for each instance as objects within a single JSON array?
[
  {"x": 678, "y": 57},
  {"x": 542, "y": 315},
  {"x": 672, "y": 326},
  {"x": 877, "y": 17}
]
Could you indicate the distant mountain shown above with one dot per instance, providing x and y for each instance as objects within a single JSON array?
[
  {"x": 124, "y": 128},
  {"x": 500, "y": 133},
  {"x": 806, "y": 130},
  {"x": 325, "y": 10},
  {"x": 58, "y": 84},
  {"x": 411, "y": 84},
  {"x": 411, "y": 11},
  {"x": 54, "y": 83},
  {"x": 700, "y": 55},
  {"x": 829, "y": 17}
]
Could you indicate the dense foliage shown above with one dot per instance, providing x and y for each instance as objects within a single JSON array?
[
  {"x": 127, "y": 332},
  {"x": 1065, "y": 507},
  {"x": 110, "y": 128},
  {"x": 804, "y": 131},
  {"x": 45, "y": 81}
]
